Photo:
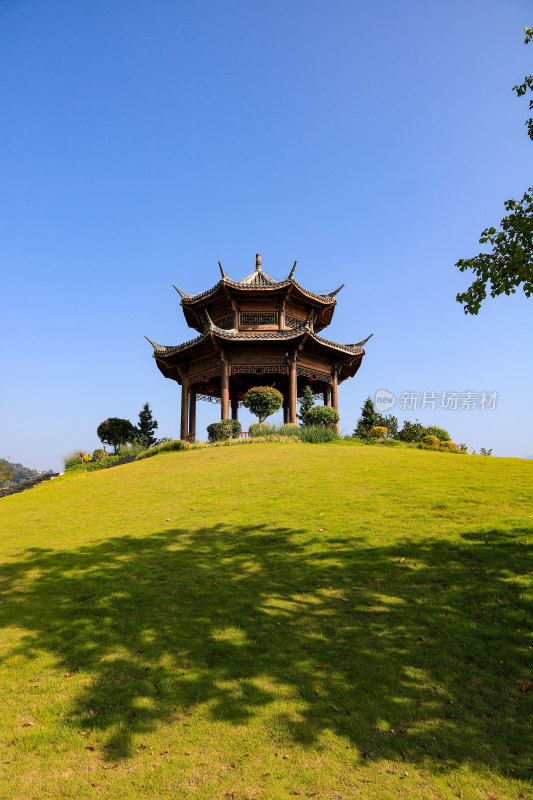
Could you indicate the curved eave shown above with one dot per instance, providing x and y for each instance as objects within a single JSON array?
[
  {"x": 220, "y": 287},
  {"x": 342, "y": 353}
]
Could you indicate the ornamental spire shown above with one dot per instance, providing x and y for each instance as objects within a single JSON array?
[
  {"x": 258, "y": 266},
  {"x": 291, "y": 273},
  {"x": 222, "y": 272}
]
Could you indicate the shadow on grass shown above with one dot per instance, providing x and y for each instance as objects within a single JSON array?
[{"x": 423, "y": 645}]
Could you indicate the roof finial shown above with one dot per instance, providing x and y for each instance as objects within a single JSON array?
[
  {"x": 181, "y": 294},
  {"x": 224, "y": 276},
  {"x": 291, "y": 273},
  {"x": 258, "y": 266}
]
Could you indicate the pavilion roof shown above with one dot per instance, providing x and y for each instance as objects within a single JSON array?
[
  {"x": 162, "y": 351},
  {"x": 257, "y": 281}
]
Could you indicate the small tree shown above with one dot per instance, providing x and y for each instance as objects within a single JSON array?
[
  {"x": 367, "y": 420},
  {"x": 411, "y": 432},
  {"x": 146, "y": 426},
  {"x": 263, "y": 401},
  {"x": 115, "y": 431},
  {"x": 306, "y": 405},
  {"x": 390, "y": 422}
]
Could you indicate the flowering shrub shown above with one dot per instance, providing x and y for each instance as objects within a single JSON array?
[
  {"x": 86, "y": 458},
  {"x": 431, "y": 441},
  {"x": 99, "y": 454},
  {"x": 441, "y": 433},
  {"x": 449, "y": 446},
  {"x": 378, "y": 432}
]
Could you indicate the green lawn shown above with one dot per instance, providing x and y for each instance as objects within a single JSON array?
[{"x": 266, "y": 621}]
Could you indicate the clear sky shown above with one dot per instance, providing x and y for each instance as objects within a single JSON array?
[{"x": 141, "y": 142}]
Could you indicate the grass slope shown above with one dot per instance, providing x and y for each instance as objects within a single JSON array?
[{"x": 327, "y": 621}]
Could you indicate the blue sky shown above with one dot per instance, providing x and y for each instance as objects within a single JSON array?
[{"x": 143, "y": 142}]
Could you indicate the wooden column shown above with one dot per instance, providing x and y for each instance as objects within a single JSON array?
[
  {"x": 184, "y": 405},
  {"x": 334, "y": 394},
  {"x": 281, "y": 316},
  {"x": 192, "y": 414},
  {"x": 234, "y": 406},
  {"x": 292, "y": 391},
  {"x": 224, "y": 391},
  {"x": 327, "y": 395},
  {"x": 285, "y": 408}
]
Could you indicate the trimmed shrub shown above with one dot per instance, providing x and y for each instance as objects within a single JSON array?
[
  {"x": 225, "y": 429},
  {"x": 430, "y": 440},
  {"x": 99, "y": 454},
  {"x": 263, "y": 401},
  {"x": 317, "y": 434},
  {"x": 441, "y": 434},
  {"x": 260, "y": 429},
  {"x": 290, "y": 430},
  {"x": 306, "y": 404},
  {"x": 322, "y": 417},
  {"x": 378, "y": 432}
]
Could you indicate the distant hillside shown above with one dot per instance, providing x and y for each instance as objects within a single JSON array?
[{"x": 20, "y": 473}]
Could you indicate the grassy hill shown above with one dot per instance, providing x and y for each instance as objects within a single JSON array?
[{"x": 268, "y": 621}]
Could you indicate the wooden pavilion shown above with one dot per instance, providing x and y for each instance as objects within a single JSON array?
[{"x": 254, "y": 332}]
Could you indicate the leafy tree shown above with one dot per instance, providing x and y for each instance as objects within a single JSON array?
[
  {"x": 306, "y": 404},
  {"x": 441, "y": 433},
  {"x": 115, "y": 431},
  {"x": 146, "y": 426},
  {"x": 412, "y": 432},
  {"x": 263, "y": 401},
  {"x": 367, "y": 420},
  {"x": 509, "y": 265},
  {"x": 5, "y": 475},
  {"x": 390, "y": 422},
  {"x": 17, "y": 471},
  {"x": 322, "y": 417}
]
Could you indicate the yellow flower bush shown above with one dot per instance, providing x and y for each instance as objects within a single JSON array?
[
  {"x": 432, "y": 441},
  {"x": 449, "y": 446},
  {"x": 378, "y": 432}
]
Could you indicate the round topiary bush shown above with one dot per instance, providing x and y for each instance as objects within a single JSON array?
[
  {"x": 259, "y": 429},
  {"x": 431, "y": 441},
  {"x": 263, "y": 401},
  {"x": 225, "y": 429},
  {"x": 99, "y": 454}
]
